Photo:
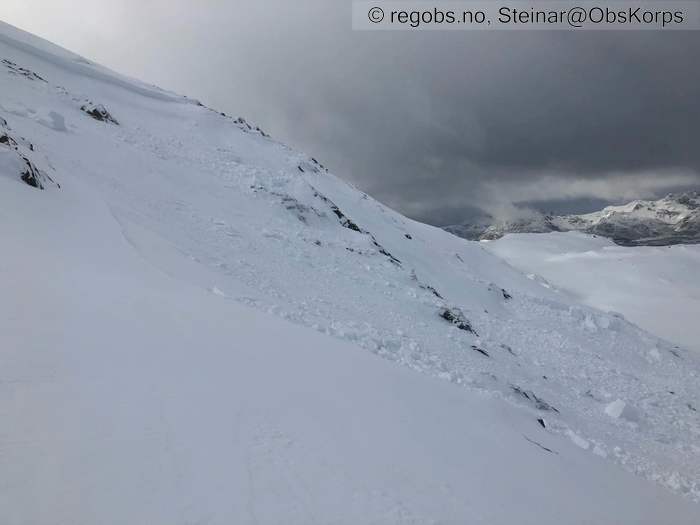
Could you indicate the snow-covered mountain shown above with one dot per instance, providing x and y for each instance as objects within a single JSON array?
[
  {"x": 675, "y": 219},
  {"x": 192, "y": 317}
]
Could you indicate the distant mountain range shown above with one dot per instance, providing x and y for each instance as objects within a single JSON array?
[{"x": 675, "y": 219}]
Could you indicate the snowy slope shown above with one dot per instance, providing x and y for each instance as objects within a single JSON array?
[
  {"x": 141, "y": 399},
  {"x": 675, "y": 219},
  {"x": 151, "y": 374},
  {"x": 655, "y": 287}
]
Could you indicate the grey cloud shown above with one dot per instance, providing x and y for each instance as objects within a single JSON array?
[{"x": 436, "y": 124}]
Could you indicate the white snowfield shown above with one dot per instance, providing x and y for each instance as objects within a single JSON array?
[
  {"x": 657, "y": 288},
  {"x": 185, "y": 326}
]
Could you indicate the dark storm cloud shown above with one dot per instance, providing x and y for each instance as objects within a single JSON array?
[{"x": 436, "y": 124}]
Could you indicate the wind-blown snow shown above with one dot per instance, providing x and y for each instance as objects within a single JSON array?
[{"x": 150, "y": 374}]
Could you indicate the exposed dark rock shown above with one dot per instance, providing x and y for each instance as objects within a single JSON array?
[
  {"x": 317, "y": 163},
  {"x": 408, "y": 236},
  {"x": 34, "y": 176},
  {"x": 480, "y": 350},
  {"x": 423, "y": 286},
  {"x": 309, "y": 167},
  {"x": 98, "y": 112},
  {"x": 290, "y": 203},
  {"x": 385, "y": 253},
  {"x": 261, "y": 132},
  {"x": 242, "y": 122},
  {"x": 8, "y": 141},
  {"x": 293, "y": 205},
  {"x": 431, "y": 290},
  {"x": 456, "y": 317},
  {"x": 501, "y": 291},
  {"x": 508, "y": 349},
  {"x": 539, "y": 403},
  {"x": 346, "y": 222},
  {"x": 542, "y": 422},
  {"x": 17, "y": 70},
  {"x": 539, "y": 445},
  {"x": 30, "y": 174}
]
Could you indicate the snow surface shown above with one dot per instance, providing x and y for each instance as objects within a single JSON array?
[
  {"x": 182, "y": 327},
  {"x": 657, "y": 288}
]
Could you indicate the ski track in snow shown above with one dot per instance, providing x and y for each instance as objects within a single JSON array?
[{"x": 210, "y": 203}]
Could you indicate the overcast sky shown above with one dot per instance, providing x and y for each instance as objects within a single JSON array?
[{"x": 436, "y": 124}]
